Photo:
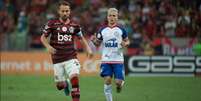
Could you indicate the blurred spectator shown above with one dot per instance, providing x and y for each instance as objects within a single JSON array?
[
  {"x": 21, "y": 31},
  {"x": 170, "y": 26},
  {"x": 184, "y": 19},
  {"x": 157, "y": 45},
  {"x": 150, "y": 29},
  {"x": 38, "y": 6},
  {"x": 182, "y": 30},
  {"x": 197, "y": 48},
  {"x": 35, "y": 25},
  {"x": 7, "y": 26},
  {"x": 148, "y": 49},
  {"x": 145, "y": 20}
]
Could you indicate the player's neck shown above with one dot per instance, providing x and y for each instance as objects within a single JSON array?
[
  {"x": 112, "y": 24},
  {"x": 67, "y": 21}
]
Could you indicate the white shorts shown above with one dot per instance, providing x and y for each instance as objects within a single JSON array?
[{"x": 66, "y": 68}]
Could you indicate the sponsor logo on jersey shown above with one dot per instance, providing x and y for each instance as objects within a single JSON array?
[
  {"x": 65, "y": 37},
  {"x": 111, "y": 43}
]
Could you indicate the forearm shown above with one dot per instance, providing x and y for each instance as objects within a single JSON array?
[
  {"x": 85, "y": 44},
  {"x": 45, "y": 41},
  {"x": 96, "y": 42}
]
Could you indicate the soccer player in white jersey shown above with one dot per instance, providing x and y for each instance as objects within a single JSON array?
[{"x": 113, "y": 37}]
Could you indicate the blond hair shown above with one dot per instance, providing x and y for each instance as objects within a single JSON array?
[{"x": 112, "y": 10}]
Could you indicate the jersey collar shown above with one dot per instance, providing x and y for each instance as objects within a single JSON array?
[
  {"x": 65, "y": 22},
  {"x": 112, "y": 26}
]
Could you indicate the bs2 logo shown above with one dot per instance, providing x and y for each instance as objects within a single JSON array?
[{"x": 64, "y": 37}]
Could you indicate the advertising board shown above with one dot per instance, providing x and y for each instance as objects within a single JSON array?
[
  {"x": 163, "y": 65},
  {"x": 39, "y": 62}
]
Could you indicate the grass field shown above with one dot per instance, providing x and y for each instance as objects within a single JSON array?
[{"x": 42, "y": 88}]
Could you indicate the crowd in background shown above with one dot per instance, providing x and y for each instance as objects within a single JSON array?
[{"x": 146, "y": 21}]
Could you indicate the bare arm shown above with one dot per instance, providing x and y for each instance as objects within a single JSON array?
[
  {"x": 95, "y": 41},
  {"x": 45, "y": 42},
  {"x": 86, "y": 47}
]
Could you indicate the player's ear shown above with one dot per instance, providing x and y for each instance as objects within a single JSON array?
[{"x": 58, "y": 12}]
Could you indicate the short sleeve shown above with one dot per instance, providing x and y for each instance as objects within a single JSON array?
[
  {"x": 99, "y": 35},
  {"x": 78, "y": 31},
  {"x": 47, "y": 29},
  {"x": 124, "y": 33}
]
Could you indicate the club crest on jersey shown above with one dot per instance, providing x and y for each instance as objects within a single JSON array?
[
  {"x": 64, "y": 29},
  {"x": 116, "y": 33}
]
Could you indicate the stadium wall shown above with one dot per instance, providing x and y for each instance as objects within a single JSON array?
[{"x": 39, "y": 62}]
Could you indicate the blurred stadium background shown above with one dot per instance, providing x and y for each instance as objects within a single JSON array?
[{"x": 163, "y": 61}]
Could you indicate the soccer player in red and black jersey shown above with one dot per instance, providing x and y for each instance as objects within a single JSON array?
[{"x": 58, "y": 37}]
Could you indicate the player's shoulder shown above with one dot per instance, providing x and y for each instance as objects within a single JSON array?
[
  {"x": 121, "y": 26},
  {"x": 53, "y": 21},
  {"x": 102, "y": 27},
  {"x": 74, "y": 23}
]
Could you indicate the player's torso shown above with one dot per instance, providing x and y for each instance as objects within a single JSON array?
[
  {"x": 61, "y": 36},
  {"x": 62, "y": 39},
  {"x": 112, "y": 49}
]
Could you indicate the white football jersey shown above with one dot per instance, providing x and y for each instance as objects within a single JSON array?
[{"x": 111, "y": 38}]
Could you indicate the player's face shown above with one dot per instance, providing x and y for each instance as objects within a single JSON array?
[
  {"x": 64, "y": 12},
  {"x": 112, "y": 17}
]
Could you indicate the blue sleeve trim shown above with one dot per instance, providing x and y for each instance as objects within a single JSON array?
[
  {"x": 125, "y": 34},
  {"x": 99, "y": 35}
]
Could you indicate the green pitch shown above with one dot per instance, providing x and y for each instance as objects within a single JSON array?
[{"x": 42, "y": 88}]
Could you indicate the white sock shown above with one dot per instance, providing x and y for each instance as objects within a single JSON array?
[{"x": 108, "y": 92}]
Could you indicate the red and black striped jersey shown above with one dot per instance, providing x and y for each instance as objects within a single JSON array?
[{"x": 62, "y": 39}]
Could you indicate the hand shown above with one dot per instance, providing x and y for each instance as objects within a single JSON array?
[
  {"x": 95, "y": 41},
  {"x": 89, "y": 54},
  {"x": 93, "y": 37},
  {"x": 124, "y": 44},
  {"x": 51, "y": 50}
]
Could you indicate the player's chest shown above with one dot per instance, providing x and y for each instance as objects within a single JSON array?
[
  {"x": 110, "y": 34},
  {"x": 63, "y": 33},
  {"x": 63, "y": 29}
]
